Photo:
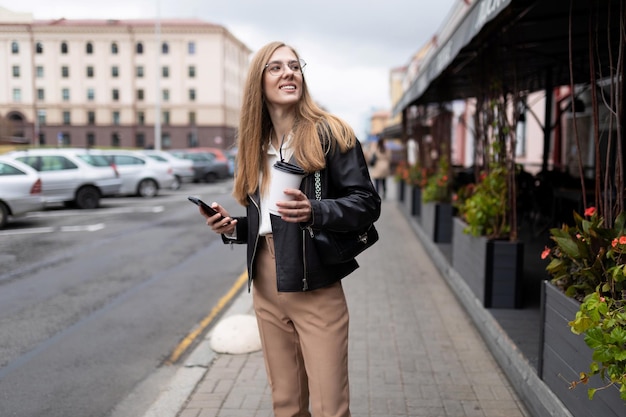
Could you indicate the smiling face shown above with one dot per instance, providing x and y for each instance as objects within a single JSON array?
[{"x": 285, "y": 89}]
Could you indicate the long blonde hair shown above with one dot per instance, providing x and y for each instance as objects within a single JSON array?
[{"x": 311, "y": 123}]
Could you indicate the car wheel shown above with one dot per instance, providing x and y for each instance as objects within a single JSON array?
[
  {"x": 87, "y": 198},
  {"x": 177, "y": 183},
  {"x": 147, "y": 188},
  {"x": 4, "y": 215},
  {"x": 210, "y": 177}
]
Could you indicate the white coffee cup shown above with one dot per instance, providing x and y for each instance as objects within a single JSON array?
[{"x": 284, "y": 175}]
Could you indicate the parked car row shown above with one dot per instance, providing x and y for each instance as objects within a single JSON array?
[{"x": 33, "y": 179}]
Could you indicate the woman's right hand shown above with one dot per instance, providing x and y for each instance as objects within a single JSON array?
[{"x": 223, "y": 224}]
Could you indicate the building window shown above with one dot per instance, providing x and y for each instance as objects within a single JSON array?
[
  {"x": 115, "y": 94},
  {"x": 165, "y": 72},
  {"x": 192, "y": 117},
  {"x": 141, "y": 118},
  {"x": 139, "y": 71},
  {"x": 63, "y": 48},
  {"x": 15, "y": 47},
  {"x": 90, "y": 71},
  {"x": 16, "y": 71},
  {"x": 40, "y": 94},
  {"x": 39, "y": 48},
  {"x": 42, "y": 138},
  {"x": 39, "y": 71},
  {"x": 91, "y": 139},
  {"x": 114, "y": 49},
  {"x": 66, "y": 118},
  {"x": 65, "y": 139},
  {"x": 89, "y": 48},
  {"x": 140, "y": 140},
  {"x": 192, "y": 140},
  {"x": 41, "y": 117},
  {"x": 166, "y": 117},
  {"x": 139, "y": 48},
  {"x": 191, "y": 48},
  {"x": 192, "y": 71},
  {"x": 192, "y": 94},
  {"x": 115, "y": 139},
  {"x": 166, "y": 95},
  {"x": 65, "y": 93},
  {"x": 140, "y": 94},
  {"x": 91, "y": 117},
  {"x": 65, "y": 71},
  {"x": 17, "y": 95},
  {"x": 115, "y": 71},
  {"x": 166, "y": 140},
  {"x": 91, "y": 94},
  {"x": 165, "y": 48},
  {"x": 116, "y": 117}
]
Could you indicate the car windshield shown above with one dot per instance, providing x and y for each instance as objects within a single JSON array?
[
  {"x": 95, "y": 160},
  {"x": 6, "y": 169},
  {"x": 158, "y": 158}
]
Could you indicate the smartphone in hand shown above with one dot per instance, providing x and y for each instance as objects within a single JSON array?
[{"x": 210, "y": 211}]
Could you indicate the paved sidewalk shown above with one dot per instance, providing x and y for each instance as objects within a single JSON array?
[{"x": 413, "y": 349}]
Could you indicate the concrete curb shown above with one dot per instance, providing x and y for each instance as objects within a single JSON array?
[{"x": 533, "y": 392}]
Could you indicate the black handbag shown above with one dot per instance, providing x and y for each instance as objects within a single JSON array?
[{"x": 338, "y": 247}]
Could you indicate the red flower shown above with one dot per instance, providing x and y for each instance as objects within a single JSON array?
[
  {"x": 622, "y": 240},
  {"x": 590, "y": 211},
  {"x": 614, "y": 242},
  {"x": 545, "y": 253}
]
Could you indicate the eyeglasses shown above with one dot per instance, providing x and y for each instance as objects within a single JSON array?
[{"x": 277, "y": 68}]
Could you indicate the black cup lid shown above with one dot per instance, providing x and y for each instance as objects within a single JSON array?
[{"x": 288, "y": 167}]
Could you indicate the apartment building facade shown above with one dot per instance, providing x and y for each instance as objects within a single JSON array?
[{"x": 108, "y": 83}]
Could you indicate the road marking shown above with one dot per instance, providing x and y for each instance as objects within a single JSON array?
[
  {"x": 85, "y": 228},
  {"x": 117, "y": 210},
  {"x": 189, "y": 339}
]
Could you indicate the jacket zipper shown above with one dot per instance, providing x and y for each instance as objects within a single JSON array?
[
  {"x": 305, "y": 284},
  {"x": 256, "y": 244}
]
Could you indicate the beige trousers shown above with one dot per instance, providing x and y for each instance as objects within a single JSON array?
[{"x": 305, "y": 343}]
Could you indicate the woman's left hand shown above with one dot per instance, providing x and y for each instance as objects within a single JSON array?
[{"x": 297, "y": 210}]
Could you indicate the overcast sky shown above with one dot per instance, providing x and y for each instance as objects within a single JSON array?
[{"x": 349, "y": 45}]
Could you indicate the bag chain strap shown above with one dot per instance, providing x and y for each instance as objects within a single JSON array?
[{"x": 318, "y": 185}]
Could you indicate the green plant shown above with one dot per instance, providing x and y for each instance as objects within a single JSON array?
[
  {"x": 438, "y": 187},
  {"x": 411, "y": 174},
  {"x": 485, "y": 209},
  {"x": 587, "y": 262}
]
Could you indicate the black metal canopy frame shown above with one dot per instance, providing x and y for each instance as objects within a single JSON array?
[{"x": 524, "y": 43}]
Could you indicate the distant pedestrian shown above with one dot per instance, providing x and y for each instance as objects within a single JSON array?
[
  {"x": 380, "y": 161},
  {"x": 298, "y": 299}
]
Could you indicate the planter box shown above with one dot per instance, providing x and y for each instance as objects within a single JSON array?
[
  {"x": 563, "y": 355},
  {"x": 413, "y": 200},
  {"x": 400, "y": 184},
  {"x": 436, "y": 220},
  {"x": 493, "y": 269}
]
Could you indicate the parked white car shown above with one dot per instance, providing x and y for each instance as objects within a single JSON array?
[
  {"x": 141, "y": 175},
  {"x": 183, "y": 168},
  {"x": 72, "y": 176},
  {"x": 20, "y": 190}
]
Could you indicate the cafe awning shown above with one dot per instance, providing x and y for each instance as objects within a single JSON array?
[{"x": 525, "y": 44}]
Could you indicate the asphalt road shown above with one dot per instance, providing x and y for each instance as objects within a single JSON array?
[{"x": 93, "y": 302}]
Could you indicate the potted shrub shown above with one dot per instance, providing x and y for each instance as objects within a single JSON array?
[
  {"x": 587, "y": 269},
  {"x": 489, "y": 260},
  {"x": 437, "y": 209},
  {"x": 412, "y": 179}
]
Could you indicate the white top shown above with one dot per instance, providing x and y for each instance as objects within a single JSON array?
[{"x": 273, "y": 155}]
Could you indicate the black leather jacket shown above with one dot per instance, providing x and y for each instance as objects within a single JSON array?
[{"x": 349, "y": 202}]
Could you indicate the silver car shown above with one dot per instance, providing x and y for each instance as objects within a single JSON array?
[
  {"x": 20, "y": 190},
  {"x": 141, "y": 175},
  {"x": 183, "y": 168},
  {"x": 72, "y": 176}
]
